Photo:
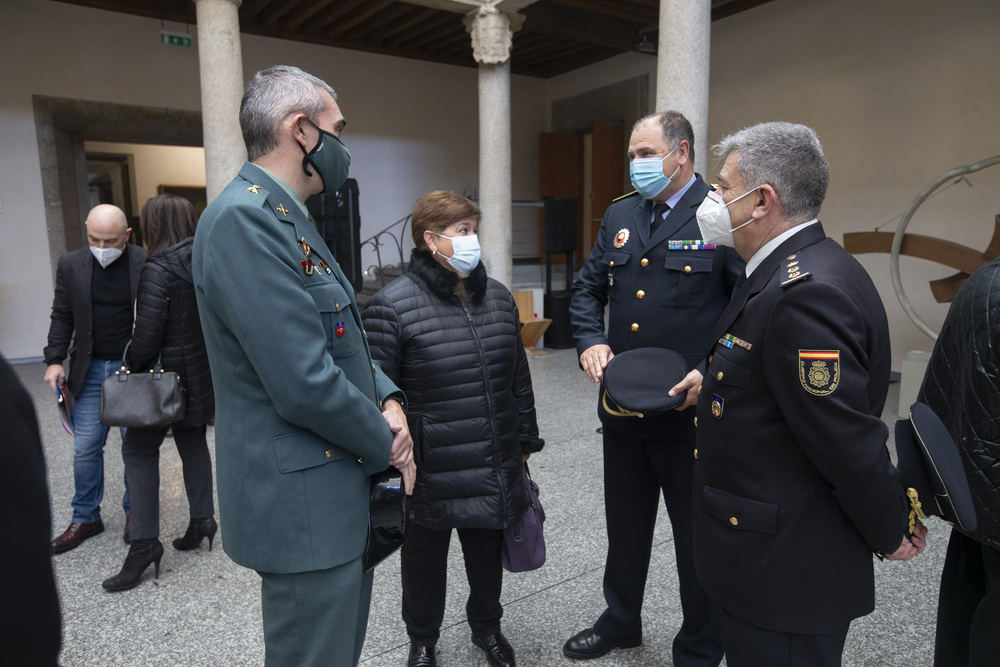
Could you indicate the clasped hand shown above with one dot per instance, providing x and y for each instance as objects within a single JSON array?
[
  {"x": 401, "y": 454},
  {"x": 913, "y": 545}
]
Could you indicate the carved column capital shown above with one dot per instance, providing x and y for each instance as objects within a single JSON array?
[{"x": 492, "y": 32}]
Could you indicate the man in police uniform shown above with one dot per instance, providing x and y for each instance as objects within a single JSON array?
[
  {"x": 666, "y": 288},
  {"x": 794, "y": 490},
  {"x": 303, "y": 416}
]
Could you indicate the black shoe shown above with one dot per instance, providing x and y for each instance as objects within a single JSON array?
[
  {"x": 140, "y": 554},
  {"x": 497, "y": 649},
  {"x": 421, "y": 656},
  {"x": 126, "y": 538},
  {"x": 588, "y": 644},
  {"x": 196, "y": 530}
]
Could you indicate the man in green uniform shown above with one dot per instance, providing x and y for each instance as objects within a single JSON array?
[{"x": 303, "y": 416}]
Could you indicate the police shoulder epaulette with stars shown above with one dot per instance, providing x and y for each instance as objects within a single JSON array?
[
  {"x": 625, "y": 196},
  {"x": 795, "y": 270}
]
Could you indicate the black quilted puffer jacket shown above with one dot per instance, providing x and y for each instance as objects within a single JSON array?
[
  {"x": 471, "y": 410},
  {"x": 962, "y": 385},
  {"x": 167, "y": 323}
]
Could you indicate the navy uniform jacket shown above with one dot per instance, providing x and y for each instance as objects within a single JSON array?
[
  {"x": 658, "y": 297},
  {"x": 794, "y": 489},
  {"x": 298, "y": 421}
]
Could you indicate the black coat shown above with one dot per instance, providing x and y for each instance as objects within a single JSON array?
[
  {"x": 962, "y": 385},
  {"x": 471, "y": 410},
  {"x": 794, "y": 488},
  {"x": 29, "y": 611},
  {"x": 656, "y": 296},
  {"x": 167, "y": 324},
  {"x": 71, "y": 332}
]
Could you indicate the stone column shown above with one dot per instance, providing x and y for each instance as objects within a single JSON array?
[
  {"x": 221, "y": 62},
  {"x": 492, "y": 32},
  {"x": 682, "y": 62}
]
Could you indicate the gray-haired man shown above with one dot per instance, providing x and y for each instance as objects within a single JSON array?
[
  {"x": 303, "y": 416},
  {"x": 794, "y": 489}
]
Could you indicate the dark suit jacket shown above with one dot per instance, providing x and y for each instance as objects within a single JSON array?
[
  {"x": 297, "y": 397},
  {"x": 658, "y": 297},
  {"x": 71, "y": 331},
  {"x": 29, "y": 613},
  {"x": 794, "y": 489}
]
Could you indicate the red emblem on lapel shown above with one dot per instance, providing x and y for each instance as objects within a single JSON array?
[{"x": 340, "y": 329}]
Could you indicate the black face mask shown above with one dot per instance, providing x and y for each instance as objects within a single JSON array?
[{"x": 330, "y": 158}]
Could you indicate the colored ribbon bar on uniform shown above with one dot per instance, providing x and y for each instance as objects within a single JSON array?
[
  {"x": 696, "y": 244},
  {"x": 729, "y": 340}
]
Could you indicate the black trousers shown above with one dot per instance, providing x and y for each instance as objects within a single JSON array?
[
  {"x": 424, "y": 565},
  {"x": 141, "y": 452},
  {"x": 636, "y": 472},
  {"x": 748, "y": 645},
  {"x": 968, "y": 617}
]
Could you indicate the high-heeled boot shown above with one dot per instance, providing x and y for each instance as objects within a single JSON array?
[
  {"x": 196, "y": 530},
  {"x": 140, "y": 554}
]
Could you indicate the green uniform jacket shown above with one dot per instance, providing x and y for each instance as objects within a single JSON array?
[{"x": 298, "y": 422}]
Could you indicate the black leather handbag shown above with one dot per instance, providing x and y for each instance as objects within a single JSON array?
[
  {"x": 389, "y": 517},
  {"x": 148, "y": 399}
]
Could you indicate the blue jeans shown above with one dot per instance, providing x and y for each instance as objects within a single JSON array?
[{"x": 88, "y": 445}]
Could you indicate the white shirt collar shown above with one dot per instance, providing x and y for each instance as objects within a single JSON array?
[{"x": 772, "y": 245}]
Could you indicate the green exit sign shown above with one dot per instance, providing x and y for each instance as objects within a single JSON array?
[{"x": 175, "y": 38}]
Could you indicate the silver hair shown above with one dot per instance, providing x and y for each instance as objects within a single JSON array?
[
  {"x": 676, "y": 128},
  {"x": 271, "y": 95},
  {"x": 786, "y": 156}
]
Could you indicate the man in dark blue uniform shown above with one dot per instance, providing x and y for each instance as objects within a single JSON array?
[
  {"x": 794, "y": 489},
  {"x": 666, "y": 288}
]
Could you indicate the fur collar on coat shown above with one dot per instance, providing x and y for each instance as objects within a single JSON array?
[{"x": 441, "y": 281}]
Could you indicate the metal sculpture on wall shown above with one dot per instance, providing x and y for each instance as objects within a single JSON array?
[{"x": 959, "y": 257}]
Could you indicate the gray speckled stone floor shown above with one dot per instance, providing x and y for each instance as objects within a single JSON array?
[{"x": 204, "y": 610}]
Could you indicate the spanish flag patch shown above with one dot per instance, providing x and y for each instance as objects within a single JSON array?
[{"x": 819, "y": 371}]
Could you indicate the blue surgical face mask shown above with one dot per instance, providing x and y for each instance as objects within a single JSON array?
[
  {"x": 648, "y": 177},
  {"x": 330, "y": 158},
  {"x": 465, "y": 253}
]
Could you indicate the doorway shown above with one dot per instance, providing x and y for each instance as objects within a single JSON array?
[
  {"x": 62, "y": 127},
  {"x": 588, "y": 166}
]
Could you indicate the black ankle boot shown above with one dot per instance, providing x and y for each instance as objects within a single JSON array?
[
  {"x": 140, "y": 554},
  {"x": 196, "y": 530}
]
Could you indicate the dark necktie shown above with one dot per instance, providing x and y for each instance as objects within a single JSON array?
[{"x": 659, "y": 210}]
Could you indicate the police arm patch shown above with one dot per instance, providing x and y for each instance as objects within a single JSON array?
[{"x": 819, "y": 371}]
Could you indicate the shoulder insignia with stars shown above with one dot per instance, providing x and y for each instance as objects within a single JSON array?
[
  {"x": 795, "y": 270},
  {"x": 624, "y": 196}
]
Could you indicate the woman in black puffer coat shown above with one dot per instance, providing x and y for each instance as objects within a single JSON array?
[
  {"x": 167, "y": 327},
  {"x": 449, "y": 337}
]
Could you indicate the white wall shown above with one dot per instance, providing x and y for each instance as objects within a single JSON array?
[
  {"x": 900, "y": 91},
  {"x": 412, "y": 126}
]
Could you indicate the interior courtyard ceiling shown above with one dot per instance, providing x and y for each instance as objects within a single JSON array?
[{"x": 558, "y": 36}]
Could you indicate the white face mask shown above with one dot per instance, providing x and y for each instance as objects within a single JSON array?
[
  {"x": 465, "y": 253},
  {"x": 105, "y": 256},
  {"x": 713, "y": 219}
]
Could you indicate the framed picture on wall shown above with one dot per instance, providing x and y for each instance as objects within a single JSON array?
[{"x": 193, "y": 193}]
